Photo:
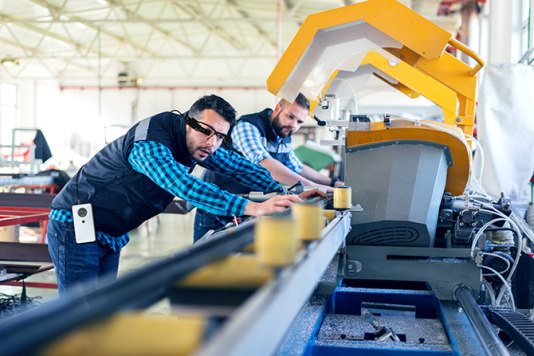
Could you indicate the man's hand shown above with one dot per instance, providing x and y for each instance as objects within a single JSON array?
[
  {"x": 312, "y": 194},
  {"x": 339, "y": 183},
  {"x": 274, "y": 205}
]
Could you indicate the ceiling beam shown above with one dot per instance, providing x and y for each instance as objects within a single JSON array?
[
  {"x": 135, "y": 16},
  {"x": 77, "y": 19},
  {"x": 245, "y": 15},
  {"x": 197, "y": 13},
  {"x": 146, "y": 21}
]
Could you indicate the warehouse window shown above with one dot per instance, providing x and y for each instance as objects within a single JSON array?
[{"x": 8, "y": 111}]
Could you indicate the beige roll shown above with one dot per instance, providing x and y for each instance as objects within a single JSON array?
[
  {"x": 133, "y": 334},
  {"x": 329, "y": 214},
  {"x": 276, "y": 241},
  {"x": 342, "y": 197},
  {"x": 310, "y": 221}
]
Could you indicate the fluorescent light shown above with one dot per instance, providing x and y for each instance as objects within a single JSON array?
[{"x": 9, "y": 62}]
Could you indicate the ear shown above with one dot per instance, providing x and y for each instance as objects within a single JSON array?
[{"x": 277, "y": 109}]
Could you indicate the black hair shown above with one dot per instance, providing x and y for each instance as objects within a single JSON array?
[
  {"x": 301, "y": 101},
  {"x": 215, "y": 103}
]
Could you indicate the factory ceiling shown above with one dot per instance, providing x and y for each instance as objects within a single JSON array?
[{"x": 221, "y": 43}]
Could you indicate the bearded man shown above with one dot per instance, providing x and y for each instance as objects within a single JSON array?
[{"x": 265, "y": 138}]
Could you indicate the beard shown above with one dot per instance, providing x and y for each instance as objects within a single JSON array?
[
  {"x": 201, "y": 153},
  {"x": 279, "y": 129}
]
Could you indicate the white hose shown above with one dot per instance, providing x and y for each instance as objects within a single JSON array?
[
  {"x": 518, "y": 244},
  {"x": 490, "y": 291},
  {"x": 502, "y": 258},
  {"x": 475, "y": 182},
  {"x": 514, "y": 266},
  {"x": 506, "y": 285},
  {"x": 480, "y": 232},
  {"x": 479, "y": 153}
]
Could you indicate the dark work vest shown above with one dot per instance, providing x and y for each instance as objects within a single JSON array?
[
  {"x": 123, "y": 198},
  {"x": 279, "y": 150}
]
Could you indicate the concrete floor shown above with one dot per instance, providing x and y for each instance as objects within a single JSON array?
[{"x": 159, "y": 237}]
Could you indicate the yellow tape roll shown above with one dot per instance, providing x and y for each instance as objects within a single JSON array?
[
  {"x": 133, "y": 334},
  {"x": 276, "y": 241},
  {"x": 329, "y": 214},
  {"x": 342, "y": 197},
  {"x": 310, "y": 221}
]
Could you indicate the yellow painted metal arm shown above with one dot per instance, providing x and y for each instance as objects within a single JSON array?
[
  {"x": 388, "y": 17},
  {"x": 480, "y": 63},
  {"x": 417, "y": 81},
  {"x": 336, "y": 39}
]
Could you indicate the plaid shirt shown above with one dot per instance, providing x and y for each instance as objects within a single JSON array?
[
  {"x": 156, "y": 161},
  {"x": 115, "y": 243},
  {"x": 248, "y": 140}
]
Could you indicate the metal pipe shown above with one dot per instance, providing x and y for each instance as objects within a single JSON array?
[
  {"x": 135, "y": 290},
  {"x": 487, "y": 336}
]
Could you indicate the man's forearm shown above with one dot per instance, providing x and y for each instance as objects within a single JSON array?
[
  {"x": 281, "y": 173},
  {"x": 284, "y": 175},
  {"x": 276, "y": 204},
  {"x": 313, "y": 175}
]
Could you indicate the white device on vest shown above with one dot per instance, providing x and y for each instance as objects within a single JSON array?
[
  {"x": 82, "y": 217},
  {"x": 84, "y": 224}
]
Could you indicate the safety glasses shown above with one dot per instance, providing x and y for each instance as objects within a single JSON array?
[{"x": 205, "y": 129}]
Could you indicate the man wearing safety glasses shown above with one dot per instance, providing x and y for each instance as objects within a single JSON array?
[
  {"x": 136, "y": 177},
  {"x": 265, "y": 138}
]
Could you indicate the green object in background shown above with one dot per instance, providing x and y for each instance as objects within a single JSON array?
[{"x": 315, "y": 159}]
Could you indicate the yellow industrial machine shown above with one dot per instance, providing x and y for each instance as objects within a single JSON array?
[
  {"x": 332, "y": 43},
  {"x": 388, "y": 163},
  {"x": 403, "y": 248}
]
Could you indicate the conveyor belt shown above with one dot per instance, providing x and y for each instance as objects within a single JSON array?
[
  {"x": 134, "y": 291},
  {"x": 516, "y": 325},
  {"x": 243, "y": 331}
]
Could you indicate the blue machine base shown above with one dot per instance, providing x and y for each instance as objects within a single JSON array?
[{"x": 333, "y": 325}]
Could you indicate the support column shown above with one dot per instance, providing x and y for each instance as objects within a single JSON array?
[{"x": 504, "y": 31}]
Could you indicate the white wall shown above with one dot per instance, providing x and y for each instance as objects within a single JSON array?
[{"x": 77, "y": 122}]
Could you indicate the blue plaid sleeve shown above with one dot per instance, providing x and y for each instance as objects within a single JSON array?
[
  {"x": 233, "y": 164},
  {"x": 116, "y": 243},
  {"x": 295, "y": 164},
  {"x": 155, "y": 160},
  {"x": 248, "y": 140}
]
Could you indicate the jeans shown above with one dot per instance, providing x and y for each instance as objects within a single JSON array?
[
  {"x": 205, "y": 222},
  {"x": 77, "y": 263}
]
